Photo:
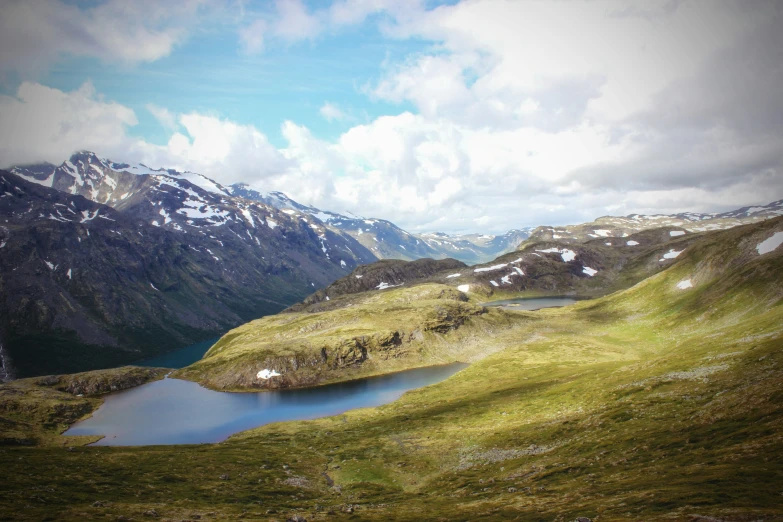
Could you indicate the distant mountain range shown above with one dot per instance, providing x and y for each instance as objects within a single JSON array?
[
  {"x": 619, "y": 227},
  {"x": 388, "y": 241},
  {"x": 105, "y": 263}
]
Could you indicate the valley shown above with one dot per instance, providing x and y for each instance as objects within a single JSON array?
[{"x": 656, "y": 402}]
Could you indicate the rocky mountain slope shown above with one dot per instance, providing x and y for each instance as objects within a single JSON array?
[
  {"x": 548, "y": 267},
  {"x": 619, "y": 227},
  {"x": 87, "y": 285}
]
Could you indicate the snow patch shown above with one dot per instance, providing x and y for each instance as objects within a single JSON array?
[
  {"x": 675, "y": 233},
  {"x": 684, "y": 284},
  {"x": 631, "y": 243},
  {"x": 671, "y": 254},
  {"x": 566, "y": 254},
  {"x": 249, "y": 217},
  {"x": 452, "y": 275},
  {"x": 86, "y": 216},
  {"x": 463, "y": 288},
  {"x": 69, "y": 274},
  {"x": 267, "y": 374},
  {"x": 490, "y": 268},
  {"x": 589, "y": 271},
  {"x": 770, "y": 244},
  {"x": 602, "y": 233},
  {"x": 384, "y": 286},
  {"x": 271, "y": 224}
]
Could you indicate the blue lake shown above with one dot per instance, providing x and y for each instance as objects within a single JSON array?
[
  {"x": 173, "y": 411},
  {"x": 533, "y": 303},
  {"x": 180, "y": 358}
]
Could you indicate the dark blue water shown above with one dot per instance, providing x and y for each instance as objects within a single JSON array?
[
  {"x": 533, "y": 303},
  {"x": 174, "y": 411},
  {"x": 180, "y": 358}
]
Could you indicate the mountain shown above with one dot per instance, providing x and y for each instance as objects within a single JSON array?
[
  {"x": 619, "y": 227},
  {"x": 548, "y": 267},
  {"x": 119, "y": 185},
  {"x": 145, "y": 263},
  {"x": 388, "y": 241},
  {"x": 185, "y": 202}
]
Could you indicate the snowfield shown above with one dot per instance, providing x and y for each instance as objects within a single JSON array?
[{"x": 770, "y": 244}]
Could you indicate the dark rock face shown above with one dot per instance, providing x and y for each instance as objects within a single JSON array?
[
  {"x": 85, "y": 285},
  {"x": 380, "y": 275}
]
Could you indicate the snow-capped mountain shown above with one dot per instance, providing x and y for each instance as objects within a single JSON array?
[
  {"x": 106, "y": 264},
  {"x": 388, "y": 241},
  {"x": 189, "y": 203},
  {"x": 187, "y": 200},
  {"x": 686, "y": 222}
]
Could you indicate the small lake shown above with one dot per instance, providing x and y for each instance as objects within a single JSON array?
[
  {"x": 173, "y": 411},
  {"x": 533, "y": 303},
  {"x": 180, "y": 358}
]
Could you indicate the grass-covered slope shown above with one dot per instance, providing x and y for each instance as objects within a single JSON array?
[
  {"x": 655, "y": 403},
  {"x": 418, "y": 317},
  {"x": 374, "y": 333}
]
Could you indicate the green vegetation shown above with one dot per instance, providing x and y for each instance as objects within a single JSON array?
[
  {"x": 364, "y": 334},
  {"x": 654, "y": 403}
]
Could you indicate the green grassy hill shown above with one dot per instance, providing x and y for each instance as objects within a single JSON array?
[{"x": 660, "y": 402}]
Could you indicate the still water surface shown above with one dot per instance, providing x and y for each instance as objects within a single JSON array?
[
  {"x": 180, "y": 358},
  {"x": 173, "y": 411},
  {"x": 533, "y": 303}
]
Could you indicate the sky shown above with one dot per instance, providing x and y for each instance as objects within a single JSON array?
[{"x": 455, "y": 116}]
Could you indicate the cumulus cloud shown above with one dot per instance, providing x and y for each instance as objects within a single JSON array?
[
  {"x": 34, "y": 33},
  {"x": 288, "y": 22},
  {"x": 45, "y": 124},
  {"x": 331, "y": 112},
  {"x": 164, "y": 116}
]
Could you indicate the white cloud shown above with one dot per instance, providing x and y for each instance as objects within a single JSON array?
[
  {"x": 252, "y": 36},
  {"x": 289, "y": 22},
  {"x": 164, "y": 116},
  {"x": 33, "y": 33},
  {"x": 294, "y": 22},
  {"x": 45, "y": 124},
  {"x": 331, "y": 112}
]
